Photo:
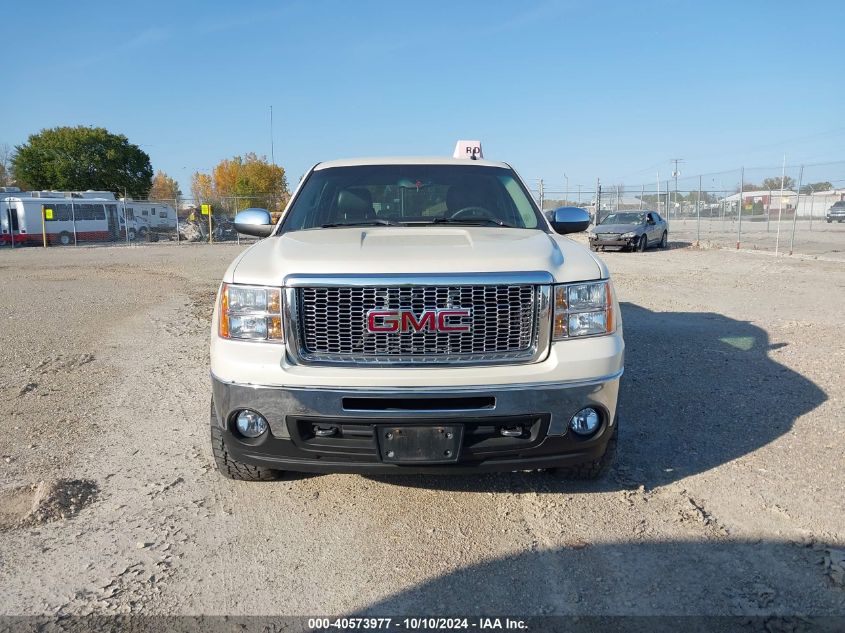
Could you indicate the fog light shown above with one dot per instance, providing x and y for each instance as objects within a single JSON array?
[
  {"x": 585, "y": 422},
  {"x": 250, "y": 423}
]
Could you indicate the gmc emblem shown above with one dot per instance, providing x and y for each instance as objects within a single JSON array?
[{"x": 440, "y": 320}]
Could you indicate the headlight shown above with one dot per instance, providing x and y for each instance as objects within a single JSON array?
[
  {"x": 582, "y": 310},
  {"x": 629, "y": 234},
  {"x": 252, "y": 313}
]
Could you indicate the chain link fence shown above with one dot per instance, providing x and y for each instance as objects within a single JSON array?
[
  {"x": 784, "y": 210},
  {"x": 781, "y": 209},
  {"x": 49, "y": 218}
]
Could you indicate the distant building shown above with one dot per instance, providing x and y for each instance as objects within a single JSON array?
[{"x": 764, "y": 202}]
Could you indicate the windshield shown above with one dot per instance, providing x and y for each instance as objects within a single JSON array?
[
  {"x": 417, "y": 195},
  {"x": 624, "y": 218}
]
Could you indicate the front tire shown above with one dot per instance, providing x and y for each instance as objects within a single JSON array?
[
  {"x": 230, "y": 467},
  {"x": 595, "y": 469},
  {"x": 664, "y": 240},
  {"x": 642, "y": 244},
  {"x": 65, "y": 238}
]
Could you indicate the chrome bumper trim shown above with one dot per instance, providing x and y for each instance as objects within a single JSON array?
[{"x": 560, "y": 384}]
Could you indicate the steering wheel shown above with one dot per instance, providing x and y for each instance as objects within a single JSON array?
[{"x": 473, "y": 213}]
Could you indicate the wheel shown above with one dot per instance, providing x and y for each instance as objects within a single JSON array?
[
  {"x": 132, "y": 235},
  {"x": 595, "y": 469},
  {"x": 65, "y": 238},
  {"x": 664, "y": 240},
  {"x": 232, "y": 468},
  {"x": 642, "y": 243},
  {"x": 142, "y": 233},
  {"x": 829, "y": 220}
]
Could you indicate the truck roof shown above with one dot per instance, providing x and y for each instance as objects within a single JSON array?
[{"x": 409, "y": 160}]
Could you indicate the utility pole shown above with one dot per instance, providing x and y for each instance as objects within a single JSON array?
[
  {"x": 566, "y": 178},
  {"x": 675, "y": 174},
  {"x": 658, "y": 196},
  {"x": 698, "y": 215},
  {"x": 812, "y": 207},
  {"x": 541, "y": 195},
  {"x": 598, "y": 201},
  {"x": 272, "y": 149},
  {"x": 795, "y": 215},
  {"x": 741, "y": 191},
  {"x": 780, "y": 203}
]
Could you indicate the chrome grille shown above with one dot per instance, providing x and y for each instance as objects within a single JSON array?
[{"x": 333, "y": 324}]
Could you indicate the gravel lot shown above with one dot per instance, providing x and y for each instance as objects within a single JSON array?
[
  {"x": 727, "y": 497},
  {"x": 817, "y": 239}
]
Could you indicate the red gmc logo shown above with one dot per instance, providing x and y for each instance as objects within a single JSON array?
[{"x": 442, "y": 320}]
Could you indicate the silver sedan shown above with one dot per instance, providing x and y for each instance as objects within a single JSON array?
[{"x": 630, "y": 230}]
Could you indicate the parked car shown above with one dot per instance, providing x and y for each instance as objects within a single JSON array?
[
  {"x": 456, "y": 330},
  {"x": 836, "y": 212},
  {"x": 630, "y": 230}
]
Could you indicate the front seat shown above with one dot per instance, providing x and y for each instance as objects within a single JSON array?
[{"x": 354, "y": 205}]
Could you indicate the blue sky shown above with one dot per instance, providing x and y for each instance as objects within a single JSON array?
[{"x": 587, "y": 89}]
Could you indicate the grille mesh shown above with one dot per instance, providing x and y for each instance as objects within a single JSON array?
[{"x": 503, "y": 323}]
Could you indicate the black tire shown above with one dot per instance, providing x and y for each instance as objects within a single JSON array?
[
  {"x": 142, "y": 234},
  {"x": 132, "y": 235},
  {"x": 664, "y": 240},
  {"x": 595, "y": 469},
  {"x": 642, "y": 244},
  {"x": 232, "y": 468},
  {"x": 65, "y": 238}
]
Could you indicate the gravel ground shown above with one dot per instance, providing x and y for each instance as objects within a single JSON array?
[
  {"x": 817, "y": 239},
  {"x": 726, "y": 499}
]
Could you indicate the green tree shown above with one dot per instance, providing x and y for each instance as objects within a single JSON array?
[
  {"x": 79, "y": 158},
  {"x": 772, "y": 184},
  {"x": 817, "y": 186}
]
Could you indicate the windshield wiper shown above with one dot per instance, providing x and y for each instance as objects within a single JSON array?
[
  {"x": 470, "y": 222},
  {"x": 372, "y": 222}
]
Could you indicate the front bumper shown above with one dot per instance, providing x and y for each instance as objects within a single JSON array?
[
  {"x": 599, "y": 240},
  {"x": 541, "y": 410}
]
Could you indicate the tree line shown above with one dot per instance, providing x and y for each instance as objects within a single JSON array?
[{"x": 80, "y": 158}]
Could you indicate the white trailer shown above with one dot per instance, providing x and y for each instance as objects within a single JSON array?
[
  {"x": 152, "y": 218},
  {"x": 28, "y": 218}
]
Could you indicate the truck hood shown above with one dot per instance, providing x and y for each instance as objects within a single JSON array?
[{"x": 436, "y": 250}]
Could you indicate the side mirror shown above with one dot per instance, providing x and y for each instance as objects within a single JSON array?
[
  {"x": 569, "y": 220},
  {"x": 256, "y": 222}
]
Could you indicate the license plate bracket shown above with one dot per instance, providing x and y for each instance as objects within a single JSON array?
[{"x": 434, "y": 444}]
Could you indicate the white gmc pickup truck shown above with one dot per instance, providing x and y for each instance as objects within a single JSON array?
[{"x": 415, "y": 315}]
